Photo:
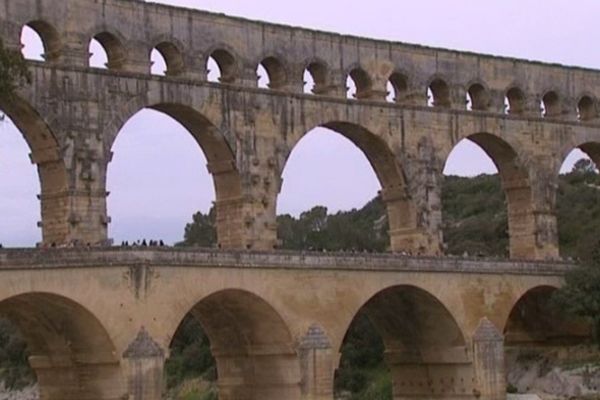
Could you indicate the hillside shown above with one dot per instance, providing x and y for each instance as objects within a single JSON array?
[
  {"x": 474, "y": 212},
  {"x": 475, "y": 224}
]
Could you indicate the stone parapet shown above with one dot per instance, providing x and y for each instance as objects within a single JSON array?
[{"x": 89, "y": 257}]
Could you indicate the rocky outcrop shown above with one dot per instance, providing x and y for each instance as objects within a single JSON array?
[
  {"x": 550, "y": 376},
  {"x": 28, "y": 393}
]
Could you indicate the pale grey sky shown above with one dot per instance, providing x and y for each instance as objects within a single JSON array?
[{"x": 153, "y": 151}]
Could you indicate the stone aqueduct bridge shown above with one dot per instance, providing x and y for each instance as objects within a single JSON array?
[
  {"x": 72, "y": 113},
  {"x": 99, "y": 322}
]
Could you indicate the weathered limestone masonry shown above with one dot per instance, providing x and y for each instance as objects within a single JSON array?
[
  {"x": 99, "y": 322},
  {"x": 72, "y": 113}
]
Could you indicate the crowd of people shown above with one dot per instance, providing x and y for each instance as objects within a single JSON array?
[{"x": 143, "y": 243}]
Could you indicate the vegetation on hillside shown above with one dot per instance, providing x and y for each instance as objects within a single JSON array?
[
  {"x": 191, "y": 360},
  {"x": 475, "y": 224},
  {"x": 475, "y": 220},
  {"x": 14, "y": 369},
  {"x": 13, "y": 71},
  {"x": 355, "y": 230},
  {"x": 578, "y": 207},
  {"x": 580, "y": 296}
]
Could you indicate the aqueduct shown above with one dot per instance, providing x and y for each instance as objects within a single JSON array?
[{"x": 99, "y": 322}]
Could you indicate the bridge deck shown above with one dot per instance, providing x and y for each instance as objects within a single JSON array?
[{"x": 11, "y": 259}]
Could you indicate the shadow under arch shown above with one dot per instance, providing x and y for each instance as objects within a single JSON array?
[
  {"x": 70, "y": 351},
  {"x": 425, "y": 350},
  {"x": 253, "y": 347},
  {"x": 535, "y": 321},
  {"x": 590, "y": 148},
  {"x": 227, "y": 61},
  {"x": 114, "y": 46},
  {"x": 395, "y": 194},
  {"x": 537, "y": 335},
  {"x": 221, "y": 164},
  {"x": 50, "y": 38},
  {"x": 517, "y": 188},
  {"x": 52, "y": 171},
  {"x": 576, "y": 197},
  {"x": 277, "y": 71},
  {"x": 319, "y": 71}
]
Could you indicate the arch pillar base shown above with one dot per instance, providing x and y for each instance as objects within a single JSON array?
[
  {"x": 414, "y": 242},
  {"x": 251, "y": 376},
  {"x": 239, "y": 225},
  {"x": 488, "y": 362},
  {"x": 74, "y": 217},
  {"x": 433, "y": 373},
  {"x": 531, "y": 221},
  {"x": 372, "y": 94},
  {"x": 145, "y": 364},
  {"x": 329, "y": 90},
  {"x": 74, "y": 381},
  {"x": 316, "y": 365},
  {"x": 411, "y": 97},
  {"x": 533, "y": 235},
  {"x": 405, "y": 234}
]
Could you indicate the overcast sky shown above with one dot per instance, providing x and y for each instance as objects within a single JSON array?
[{"x": 158, "y": 176}]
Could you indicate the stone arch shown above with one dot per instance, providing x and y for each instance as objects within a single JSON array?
[
  {"x": 46, "y": 153},
  {"x": 516, "y": 100},
  {"x": 434, "y": 324},
  {"x": 592, "y": 149},
  {"x": 590, "y": 146},
  {"x": 514, "y": 174},
  {"x": 252, "y": 344},
  {"x": 173, "y": 53},
  {"x": 70, "y": 350},
  {"x": 50, "y": 37},
  {"x": 425, "y": 348},
  {"x": 319, "y": 71},
  {"x": 398, "y": 81},
  {"x": 221, "y": 163},
  {"x": 113, "y": 44},
  {"x": 440, "y": 92},
  {"x": 363, "y": 81},
  {"x": 534, "y": 320},
  {"x": 552, "y": 103},
  {"x": 277, "y": 71},
  {"x": 587, "y": 107},
  {"x": 536, "y": 333},
  {"x": 479, "y": 94},
  {"x": 227, "y": 61},
  {"x": 401, "y": 214}
]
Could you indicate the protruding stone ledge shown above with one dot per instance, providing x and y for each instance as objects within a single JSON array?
[{"x": 97, "y": 257}]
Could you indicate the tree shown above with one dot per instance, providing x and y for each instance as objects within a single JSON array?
[
  {"x": 584, "y": 166},
  {"x": 580, "y": 296},
  {"x": 13, "y": 73},
  {"x": 201, "y": 231}
]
